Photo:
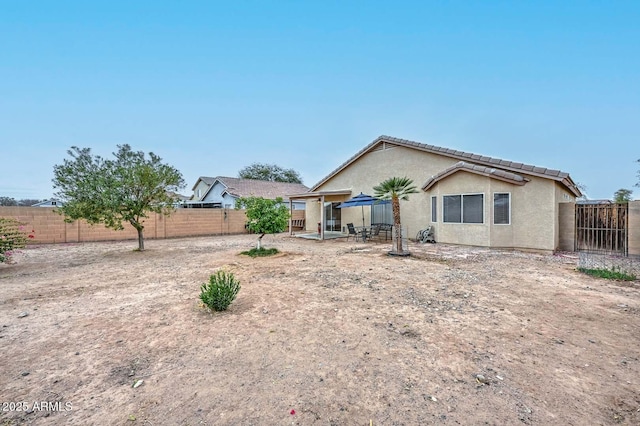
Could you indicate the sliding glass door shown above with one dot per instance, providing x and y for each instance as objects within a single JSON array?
[{"x": 332, "y": 217}]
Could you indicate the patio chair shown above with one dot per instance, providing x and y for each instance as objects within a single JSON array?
[
  {"x": 385, "y": 229},
  {"x": 375, "y": 232},
  {"x": 352, "y": 231}
]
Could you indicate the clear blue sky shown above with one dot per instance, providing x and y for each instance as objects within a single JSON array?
[{"x": 214, "y": 86}]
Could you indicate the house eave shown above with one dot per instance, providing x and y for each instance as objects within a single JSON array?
[
  {"x": 201, "y": 178},
  {"x": 316, "y": 194},
  {"x": 511, "y": 166},
  {"x": 491, "y": 173}
]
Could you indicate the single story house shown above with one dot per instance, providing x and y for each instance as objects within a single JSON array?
[
  {"x": 52, "y": 202},
  {"x": 222, "y": 192},
  {"x": 468, "y": 199}
]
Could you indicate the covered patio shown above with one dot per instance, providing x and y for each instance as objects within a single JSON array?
[{"x": 319, "y": 208}]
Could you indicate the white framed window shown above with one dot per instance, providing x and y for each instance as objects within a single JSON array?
[
  {"x": 502, "y": 208},
  {"x": 463, "y": 208},
  {"x": 199, "y": 193},
  {"x": 434, "y": 209}
]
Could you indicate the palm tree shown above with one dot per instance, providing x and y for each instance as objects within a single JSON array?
[{"x": 396, "y": 189}]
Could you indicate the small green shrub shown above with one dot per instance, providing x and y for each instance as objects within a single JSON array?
[
  {"x": 260, "y": 252},
  {"x": 613, "y": 274},
  {"x": 220, "y": 291}
]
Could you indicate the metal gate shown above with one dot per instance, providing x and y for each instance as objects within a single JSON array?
[{"x": 602, "y": 228}]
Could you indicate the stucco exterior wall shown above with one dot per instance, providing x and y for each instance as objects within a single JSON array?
[
  {"x": 461, "y": 183},
  {"x": 377, "y": 166},
  {"x": 503, "y": 235},
  {"x": 312, "y": 215},
  {"x": 531, "y": 213},
  {"x": 562, "y": 196},
  {"x": 567, "y": 226},
  {"x": 534, "y": 206},
  {"x": 534, "y": 215}
]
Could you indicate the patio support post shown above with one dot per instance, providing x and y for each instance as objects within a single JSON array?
[
  {"x": 290, "y": 216},
  {"x": 322, "y": 217}
]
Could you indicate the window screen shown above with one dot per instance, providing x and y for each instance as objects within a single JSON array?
[
  {"x": 472, "y": 208},
  {"x": 501, "y": 208},
  {"x": 452, "y": 208},
  {"x": 463, "y": 208},
  {"x": 434, "y": 209}
]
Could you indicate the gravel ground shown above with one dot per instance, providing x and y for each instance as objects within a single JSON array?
[{"x": 324, "y": 333}]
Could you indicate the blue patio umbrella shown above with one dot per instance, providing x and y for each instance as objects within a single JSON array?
[{"x": 361, "y": 200}]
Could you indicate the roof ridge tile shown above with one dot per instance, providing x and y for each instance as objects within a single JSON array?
[{"x": 510, "y": 165}]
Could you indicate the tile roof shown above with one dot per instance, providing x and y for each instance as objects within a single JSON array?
[
  {"x": 474, "y": 168},
  {"x": 481, "y": 160},
  {"x": 206, "y": 179},
  {"x": 257, "y": 188},
  {"x": 309, "y": 194}
]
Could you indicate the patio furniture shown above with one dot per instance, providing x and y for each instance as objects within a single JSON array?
[
  {"x": 364, "y": 232},
  {"x": 374, "y": 232},
  {"x": 385, "y": 229},
  {"x": 297, "y": 223},
  {"x": 367, "y": 232},
  {"x": 352, "y": 231},
  {"x": 362, "y": 200}
]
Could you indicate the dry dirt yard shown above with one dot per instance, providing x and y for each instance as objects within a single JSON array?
[{"x": 324, "y": 333}]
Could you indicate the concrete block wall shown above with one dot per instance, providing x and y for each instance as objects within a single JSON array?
[
  {"x": 193, "y": 222},
  {"x": 49, "y": 227}
]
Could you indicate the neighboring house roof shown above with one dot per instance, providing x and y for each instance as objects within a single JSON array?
[
  {"x": 480, "y": 170},
  {"x": 52, "y": 202},
  {"x": 474, "y": 159},
  {"x": 208, "y": 180},
  {"x": 237, "y": 187},
  {"x": 179, "y": 197}
]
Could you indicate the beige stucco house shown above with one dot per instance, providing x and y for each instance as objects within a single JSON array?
[{"x": 469, "y": 199}]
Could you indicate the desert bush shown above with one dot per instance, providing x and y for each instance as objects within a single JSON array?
[
  {"x": 12, "y": 238},
  {"x": 261, "y": 252},
  {"x": 220, "y": 291},
  {"x": 610, "y": 274}
]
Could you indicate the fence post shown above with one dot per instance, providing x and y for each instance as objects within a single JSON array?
[{"x": 633, "y": 227}]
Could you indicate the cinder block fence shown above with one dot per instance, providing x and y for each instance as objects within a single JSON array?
[{"x": 49, "y": 226}]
